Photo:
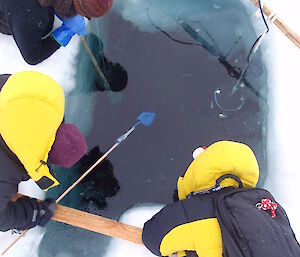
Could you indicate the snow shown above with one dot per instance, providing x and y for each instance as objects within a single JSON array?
[
  {"x": 27, "y": 246},
  {"x": 283, "y": 60},
  {"x": 136, "y": 216}
]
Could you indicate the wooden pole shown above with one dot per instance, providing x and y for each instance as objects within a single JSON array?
[
  {"x": 292, "y": 35},
  {"x": 98, "y": 224},
  {"x": 94, "y": 223},
  {"x": 86, "y": 173},
  {"x": 95, "y": 63}
]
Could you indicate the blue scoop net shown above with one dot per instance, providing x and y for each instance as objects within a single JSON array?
[{"x": 146, "y": 118}]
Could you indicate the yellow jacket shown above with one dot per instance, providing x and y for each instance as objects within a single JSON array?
[
  {"x": 190, "y": 224},
  {"x": 31, "y": 111}
]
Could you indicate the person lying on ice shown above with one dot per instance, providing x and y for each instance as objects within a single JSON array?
[
  {"x": 30, "y": 22},
  {"x": 32, "y": 137},
  {"x": 192, "y": 225}
]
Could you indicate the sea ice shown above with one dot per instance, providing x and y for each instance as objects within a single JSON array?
[
  {"x": 283, "y": 62},
  {"x": 136, "y": 216},
  {"x": 283, "y": 127}
]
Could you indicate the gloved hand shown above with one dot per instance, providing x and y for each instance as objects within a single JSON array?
[
  {"x": 41, "y": 212},
  {"x": 47, "y": 209},
  {"x": 70, "y": 27},
  {"x": 32, "y": 208}
]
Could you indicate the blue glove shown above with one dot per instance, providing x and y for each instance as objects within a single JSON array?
[{"x": 69, "y": 28}]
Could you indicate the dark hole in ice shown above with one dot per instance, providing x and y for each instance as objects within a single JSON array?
[{"x": 114, "y": 72}]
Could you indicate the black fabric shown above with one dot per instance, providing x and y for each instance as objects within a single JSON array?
[
  {"x": 5, "y": 150},
  {"x": 3, "y": 79},
  {"x": 249, "y": 231},
  {"x": 47, "y": 209},
  {"x": 4, "y": 28},
  {"x": 29, "y": 23},
  {"x": 19, "y": 214},
  {"x": 65, "y": 8},
  {"x": 191, "y": 254},
  {"x": 176, "y": 214},
  {"x": 44, "y": 183}
]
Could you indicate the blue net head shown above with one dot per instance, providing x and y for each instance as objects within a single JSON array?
[{"x": 146, "y": 118}]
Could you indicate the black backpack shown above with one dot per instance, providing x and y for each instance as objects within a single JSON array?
[{"x": 247, "y": 226}]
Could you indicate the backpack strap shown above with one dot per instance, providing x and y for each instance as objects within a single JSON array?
[{"x": 236, "y": 178}]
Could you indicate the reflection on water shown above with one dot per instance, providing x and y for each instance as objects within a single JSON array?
[{"x": 175, "y": 80}]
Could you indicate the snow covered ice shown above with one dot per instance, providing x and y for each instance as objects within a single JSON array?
[
  {"x": 283, "y": 59},
  {"x": 135, "y": 216},
  {"x": 283, "y": 62}
]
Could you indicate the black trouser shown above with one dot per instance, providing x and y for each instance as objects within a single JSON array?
[{"x": 4, "y": 28}]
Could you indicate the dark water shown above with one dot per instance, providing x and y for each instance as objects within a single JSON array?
[{"x": 177, "y": 81}]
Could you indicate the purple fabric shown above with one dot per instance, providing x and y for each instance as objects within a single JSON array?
[{"x": 69, "y": 146}]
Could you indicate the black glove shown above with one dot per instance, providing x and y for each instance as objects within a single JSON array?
[
  {"x": 39, "y": 213},
  {"x": 30, "y": 209},
  {"x": 47, "y": 209}
]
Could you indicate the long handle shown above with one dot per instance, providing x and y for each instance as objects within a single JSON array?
[
  {"x": 65, "y": 193},
  {"x": 86, "y": 173},
  {"x": 292, "y": 35},
  {"x": 94, "y": 61}
]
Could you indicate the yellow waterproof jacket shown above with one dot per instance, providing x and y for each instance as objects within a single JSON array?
[
  {"x": 31, "y": 111},
  {"x": 190, "y": 224}
]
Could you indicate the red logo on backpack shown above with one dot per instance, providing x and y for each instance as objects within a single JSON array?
[{"x": 267, "y": 204}]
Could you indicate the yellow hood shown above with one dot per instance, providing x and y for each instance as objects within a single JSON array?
[
  {"x": 31, "y": 110},
  {"x": 221, "y": 158}
]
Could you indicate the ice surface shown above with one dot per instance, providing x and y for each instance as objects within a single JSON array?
[
  {"x": 135, "y": 216},
  {"x": 169, "y": 15},
  {"x": 26, "y": 247},
  {"x": 283, "y": 126},
  {"x": 136, "y": 12},
  {"x": 283, "y": 139}
]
